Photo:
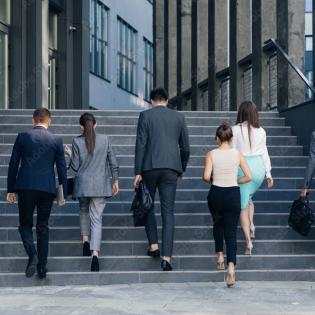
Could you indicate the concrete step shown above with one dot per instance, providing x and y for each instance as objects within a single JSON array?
[
  {"x": 197, "y": 171},
  {"x": 131, "y": 139},
  {"x": 144, "y": 263},
  {"x": 195, "y": 160},
  {"x": 201, "y": 194},
  {"x": 130, "y": 233},
  {"x": 194, "y": 206},
  {"x": 127, "y": 277},
  {"x": 283, "y": 150},
  {"x": 106, "y": 113},
  {"x": 139, "y": 248},
  {"x": 208, "y": 130},
  {"x": 126, "y": 219},
  {"x": 132, "y": 120},
  {"x": 197, "y": 183}
]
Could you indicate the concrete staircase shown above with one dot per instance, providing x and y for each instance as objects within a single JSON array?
[{"x": 279, "y": 253}]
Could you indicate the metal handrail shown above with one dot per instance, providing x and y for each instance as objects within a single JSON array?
[{"x": 291, "y": 63}]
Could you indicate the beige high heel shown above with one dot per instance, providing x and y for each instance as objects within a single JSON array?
[
  {"x": 220, "y": 263},
  {"x": 249, "y": 248},
  {"x": 252, "y": 230},
  {"x": 230, "y": 279}
]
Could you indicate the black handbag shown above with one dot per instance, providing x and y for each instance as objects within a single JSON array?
[
  {"x": 301, "y": 216},
  {"x": 141, "y": 205},
  {"x": 70, "y": 185}
]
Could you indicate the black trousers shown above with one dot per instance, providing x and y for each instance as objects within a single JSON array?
[
  {"x": 165, "y": 180},
  {"x": 28, "y": 201},
  {"x": 225, "y": 206}
]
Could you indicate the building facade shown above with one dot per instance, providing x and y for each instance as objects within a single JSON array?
[
  {"x": 121, "y": 71},
  {"x": 74, "y": 54},
  {"x": 214, "y": 54}
]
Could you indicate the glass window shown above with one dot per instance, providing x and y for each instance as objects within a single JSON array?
[
  {"x": 309, "y": 43},
  {"x": 308, "y": 5},
  {"x": 148, "y": 68},
  {"x": 308, "y": 24},
  {"x": 126, "y": 55},
  {"x": 3, "y": 70},
  {"x": 99, "y": 15},
  {"x": 5, "y": 11}
]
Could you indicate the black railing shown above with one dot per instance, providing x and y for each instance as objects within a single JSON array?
[{"x": 280, "y": 62}]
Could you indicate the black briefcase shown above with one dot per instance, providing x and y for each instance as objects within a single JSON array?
[
  {"x": 141, "y": 205},
  {"x": 301, "y": 216}
]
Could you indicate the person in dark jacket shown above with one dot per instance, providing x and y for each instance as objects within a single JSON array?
[
  {"x": 31, "y": 177},
  {"x": 310, "y": 171},
  {"x": 161, "y": 157}
]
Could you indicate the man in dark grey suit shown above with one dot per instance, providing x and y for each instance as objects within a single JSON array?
[
  {"x": 310, "y": 169},
  {"x": 161, "y": 157}
]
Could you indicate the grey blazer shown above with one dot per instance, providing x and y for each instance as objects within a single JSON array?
[
  {"x": 310, "y": 171},
  {"x": 162, "y": 141},
  {"x": 93, "y": 173}
]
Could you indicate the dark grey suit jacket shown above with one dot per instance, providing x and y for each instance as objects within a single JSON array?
[
  {"x": 162, "y": 141},
  {"x": 93, "y": 173},
  {"x": 311, "y": 163}
]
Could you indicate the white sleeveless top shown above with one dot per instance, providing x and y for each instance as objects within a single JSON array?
[{"x": 225, "y": 164}]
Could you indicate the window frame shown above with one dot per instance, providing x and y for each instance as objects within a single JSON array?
[
  {"x": 127, "y": 47},
  {"x": 99, "y": 44},
  {"x": 148, "y": 68}
]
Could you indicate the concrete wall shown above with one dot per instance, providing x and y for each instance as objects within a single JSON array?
[{"x": 106, "y": 95}]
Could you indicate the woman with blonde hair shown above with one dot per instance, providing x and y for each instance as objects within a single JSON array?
[{"x": 250, "y": 139}]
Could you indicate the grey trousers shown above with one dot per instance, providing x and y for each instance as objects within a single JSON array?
[{"x": 91, "y": 215}]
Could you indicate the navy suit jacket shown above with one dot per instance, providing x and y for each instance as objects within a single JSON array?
[
  {"x": 34, "y": 155},
  {"x": 310, "y": 171}
]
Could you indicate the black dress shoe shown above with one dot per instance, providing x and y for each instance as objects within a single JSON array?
[
  {"x": 166, "y": 266},
  {"x": 41, "y": 272},
  {"x": 86, "y": 249},
  {"x": 154, "y": 253},
  {"x": 95, "y": 267},
  {"x": 31, "y": 266}
]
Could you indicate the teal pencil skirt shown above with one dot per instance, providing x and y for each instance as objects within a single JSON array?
[{"x": 257, "y": 168}]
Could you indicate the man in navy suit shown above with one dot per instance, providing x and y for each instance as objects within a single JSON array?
[{"x": 31, "y": 176}]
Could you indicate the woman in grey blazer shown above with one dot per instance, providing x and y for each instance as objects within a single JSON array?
[{"x": 95, "y": 166}]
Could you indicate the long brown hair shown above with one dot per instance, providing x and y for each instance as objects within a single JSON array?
[
  {"x": 88, "y": 121},
  {"x": 247, "y": 112}
]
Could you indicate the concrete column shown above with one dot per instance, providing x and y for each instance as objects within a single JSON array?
[
  {"x": 282, "y": 65},
  {"x": 202, "y": 39},
  {"x": 35, "y": 68},
  {"x": 18, "y": 83},
  {"x": 45, "y": 52},
  {"x": 81, "y": 38},
  {"x": 172, "y": 52},
  {"x": 65, "y": 59},
  {"x": 211, "y": 56},
  {"x": 222, "y": 44},
  {"x": 268, "y": 30},
  {"x": 244, "y": 32},
  {"x": 186, "y": 44},
  {"x": 244, "y": 43},
  {"x": 256, "y": 53},
  {"x": 159, "y": 42},
  {"x": 221, "y": 35},
  {"x": 296, "y": 41}
]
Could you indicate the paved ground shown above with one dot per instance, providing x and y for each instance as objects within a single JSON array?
[{"x": 254, "y": 298}]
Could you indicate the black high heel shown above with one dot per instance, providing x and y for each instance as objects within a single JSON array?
[
  {"x": 95, "y": 267},
  {"x": 166, "y": 266},
  {"x": 86, "y": 249},
  {"x": 154, "y": 253}
]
